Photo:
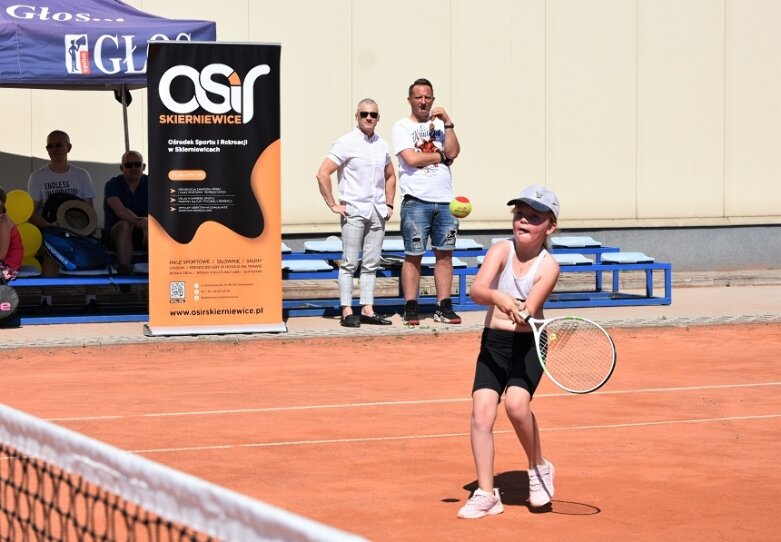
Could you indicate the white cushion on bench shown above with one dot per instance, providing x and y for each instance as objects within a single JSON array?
[
  {"x": 85, "y": 272},
  {"x": 626, "y": 257},
  {"x": 29, "y": 271},
  {"x": 467, "y": 244},
  {"x": 330, "y": 244},
  {"x": 562, "y": 259},
  {"x": 286, "y": 249},
  {"x": 429, "y": 261},
  {"x": 393, "y": 245},
  {"x": 572, "y": 259},
  {"x": 574, "y": 242},
  {"x": 397, "y": 245},
  {"x": 301, "y": 266}
]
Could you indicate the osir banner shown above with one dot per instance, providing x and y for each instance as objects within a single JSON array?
[{"x": 214, "y": 195}]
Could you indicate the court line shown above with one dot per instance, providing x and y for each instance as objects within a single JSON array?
[
  {"x": 397, "y": 403},
  {"x": 448, "y": 435}
]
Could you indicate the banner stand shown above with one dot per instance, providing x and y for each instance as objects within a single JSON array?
[{"x": 215, "y": 227}]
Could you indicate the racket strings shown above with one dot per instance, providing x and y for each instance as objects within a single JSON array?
[{"x": 577, "y": 354}]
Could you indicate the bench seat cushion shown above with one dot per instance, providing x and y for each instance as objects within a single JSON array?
[
  {"x": 330, "y": 244},
  {"x": 574, "y": 242},
  {"x": 306, "y": 266},
  {"x": 572, "y": 259},
  {"x": 626, "y": 257}
]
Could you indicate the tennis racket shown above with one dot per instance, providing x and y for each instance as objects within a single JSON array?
[{"x": 577, "y": 354}]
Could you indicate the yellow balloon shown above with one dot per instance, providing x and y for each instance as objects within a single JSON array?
[
  {"x": 19, "y": 206},
  {"x": 31, "y": 238},
  {"x": 32, "y": 261}
]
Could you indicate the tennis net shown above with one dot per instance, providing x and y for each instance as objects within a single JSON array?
[{"x": 58, "y": 485}]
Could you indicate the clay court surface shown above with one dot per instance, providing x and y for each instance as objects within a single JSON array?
[{"x": 371, "y": 434}]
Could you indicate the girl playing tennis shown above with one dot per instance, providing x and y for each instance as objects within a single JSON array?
[{"x": 517, "y": 274}]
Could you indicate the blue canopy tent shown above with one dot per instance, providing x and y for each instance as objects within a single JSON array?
[{"x": 88, "y": 44}]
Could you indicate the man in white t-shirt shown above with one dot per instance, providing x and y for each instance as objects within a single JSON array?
[
  {"x": 367, "y": 186},
  {"x": 58, "y": 176},
  {"x": 426, "y": 144}
]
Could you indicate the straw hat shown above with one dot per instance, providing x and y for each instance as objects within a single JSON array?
[{"x": 77, "y": 216}]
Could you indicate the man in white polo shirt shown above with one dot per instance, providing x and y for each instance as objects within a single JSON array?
[{"x": 367, "y": 186}]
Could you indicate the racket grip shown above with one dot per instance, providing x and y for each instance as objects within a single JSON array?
[{"x": 525, "y": 315}]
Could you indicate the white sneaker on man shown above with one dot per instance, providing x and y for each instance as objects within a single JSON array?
[
  {"x": 541, "y": 484},
  {"x": 482, "y": 503}
]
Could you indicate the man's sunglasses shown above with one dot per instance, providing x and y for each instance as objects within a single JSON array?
[
  {"x": 55, "y": 145},
  {"x": 372, "y": 114},
  {"x": 128, "y": 165}
]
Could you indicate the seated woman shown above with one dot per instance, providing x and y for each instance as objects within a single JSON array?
[{"x": 11, "y": 248}]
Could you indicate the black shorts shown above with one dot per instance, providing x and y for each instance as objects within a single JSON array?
[{"x": 507, "y": 359}]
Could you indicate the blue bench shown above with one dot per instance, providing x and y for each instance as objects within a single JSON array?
[
  {"x": 330, "y": 250},
  {"x": 617, "y": 264},
  {"x": 570, "y": 252},
  {"x": 315, "y": 307},
  {"x": 317, "y": 262}
]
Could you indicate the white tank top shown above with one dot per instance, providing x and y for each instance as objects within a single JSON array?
[{"x": 508, "y": 283}]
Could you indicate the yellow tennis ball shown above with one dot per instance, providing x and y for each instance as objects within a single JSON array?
[
  {"x": 460, "y": 207},
  {"x": 19, "y": 206},
  {"x": 31, "y": 238}
]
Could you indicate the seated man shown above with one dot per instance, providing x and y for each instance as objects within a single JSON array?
[
  {"x": 58, "y": 176},
  {"x": 126, "y": 208}
]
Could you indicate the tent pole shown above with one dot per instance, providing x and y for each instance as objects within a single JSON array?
[{"x": 123, "y": 91}]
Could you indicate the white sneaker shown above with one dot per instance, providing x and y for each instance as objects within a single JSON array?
[
  {"x": 482, "y": 503},
  {"x": 541, "y": 484}
]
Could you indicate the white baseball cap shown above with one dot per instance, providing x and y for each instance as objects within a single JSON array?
[{"x": 539, "y": 197}]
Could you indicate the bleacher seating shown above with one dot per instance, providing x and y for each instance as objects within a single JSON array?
[
  {"x": 318, "y": 261},
  {"x": 574, "y": 254}
]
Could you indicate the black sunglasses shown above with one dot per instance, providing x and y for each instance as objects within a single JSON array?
[
  {"x": 372, "y": 114},
  {"x": 132, "y": 164},
  {"x": 53, "y": 145}
]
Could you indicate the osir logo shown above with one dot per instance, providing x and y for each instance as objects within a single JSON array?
[{"x": 237, "y": 96}]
